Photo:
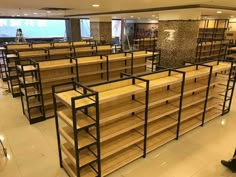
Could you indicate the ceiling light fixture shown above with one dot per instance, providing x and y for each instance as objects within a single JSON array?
[
  {"x": 219, "y": 12},
  {"x": 25, "y": 14},
  {"x": 18, "y": 15},
  {"x": 35, "y": 13},
  {"x": 132, "y": 16},
  {"x": 48, "y": 12},
  {"x": 95, "y": 5}
]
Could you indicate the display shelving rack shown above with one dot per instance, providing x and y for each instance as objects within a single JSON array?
[
  {"x": 31, "y": 91},
  {"x": 109, "y": 125}
]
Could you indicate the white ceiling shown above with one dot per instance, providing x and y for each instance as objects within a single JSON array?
[{"x": 29, "y": 8}]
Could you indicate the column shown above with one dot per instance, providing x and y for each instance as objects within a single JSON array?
[{"x": 73, "y": 29}]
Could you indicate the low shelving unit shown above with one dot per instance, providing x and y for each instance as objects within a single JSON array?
[{"x": 117, "y": 121}]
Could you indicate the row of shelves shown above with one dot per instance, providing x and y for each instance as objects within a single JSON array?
[{"x": 119, "y": 121}]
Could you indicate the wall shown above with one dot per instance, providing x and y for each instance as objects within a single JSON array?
[
  {"x": 143, "y": 30},
  {"x": 177, "y": 41}
]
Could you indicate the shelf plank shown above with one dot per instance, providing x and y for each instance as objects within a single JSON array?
[
  {"x": 193, "y": 87},
  {"x": 118, "y": 127},
  {"x": 56, "y": 66},
  {"x": 85, "y": 156},
  {"x": 28, "y": 80},
  {"x": 82, "y": 119},
  {"x": 117, "y": 93},
  {"x": 34, "y": 113},
  {"x": 85, "y": 172},
  {"x": 160, "y": 139},
  {"x": 119, "y": 143},
  {"x": 160, "y": 112},
  {"x": 212, "y": 114},
  {"x": 65, "y": 97},
  {"x": 188, "y": 113},
  {"x": 52, "y": 79},
  {"x": 190, "y": 100},
  {"x": 159, "y": 125},
  {"x": 26, "y": 68},
  {"x": 189, "y": 125},
  {"x": 120, "y": 159},
  {"x": 31, "y": 91},
  {"x": 113, "y": 112},
  {"x": 84, "y": 139},
  {"x": 161, "y": 82}
]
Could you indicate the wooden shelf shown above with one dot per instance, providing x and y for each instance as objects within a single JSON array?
[
  {"x": 84, "y": 139},
  {"x": 26, "y": 68},
  {"x": 34, "y": 113},
  {"x": 85, "y": 172},
  {"x": 160, "y": 139},
  {"x": 161, "y": 82},
  {"x": 119, "y": 143},
  {"x": 120, "y": 159},
  {"x": 188, "y": 113},
  {"x": 189, "y": 125},
  {"x": 119, "y": 57},
  {"x": 28, "y": 80},
  {"x": 193, "y": 87},
  {"x": 118, "y": 127},
  {"x": 55, "y": 66},
  {"x": 190, "y": 100},
  {"x": 160, "y": 112},
  {"x": 86, "y": 156},
  {"x": 31, "y": 91},
  {"x": 212, "y": 113},
  {"x": 82, "y": 119},
  {"x": 159, "y": 125},
  {"x": 113, "y": 112},
  {"x": 65, "y": 97},
  {"x": 117, "y": 93},
  {"x": 33, "y": 102},
  {"x": 52, "y": 79}
]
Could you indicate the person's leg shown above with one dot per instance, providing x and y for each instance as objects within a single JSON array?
[{"x": 231, "y": 164}]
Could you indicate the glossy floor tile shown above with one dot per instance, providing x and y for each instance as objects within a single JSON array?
[{"x": 32, "y": 149}]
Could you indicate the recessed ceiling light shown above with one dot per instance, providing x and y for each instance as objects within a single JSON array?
[
  {"x": 219, "y": 12},
  {"x": 131, "y": 16},
  {"x": 48, "y": 12},
  {"x": 95, "y": 5},
  {"x": 35, "y": 13},
  {"x": 25, "y": 14},
  {"x": 17, "y": 15}
]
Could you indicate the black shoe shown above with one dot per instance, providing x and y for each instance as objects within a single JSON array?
[{"x": 229, "y": 165}]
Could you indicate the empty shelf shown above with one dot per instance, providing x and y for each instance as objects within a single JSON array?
[
  {"x": 84, "y": 139},
  {"x": 189, "y": 125},
  {"x": 82, "y": 119}
]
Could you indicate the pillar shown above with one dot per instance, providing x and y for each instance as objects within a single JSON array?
[
  {"x": 73, "y": 29},
  {"x": 101, "y": 30}
]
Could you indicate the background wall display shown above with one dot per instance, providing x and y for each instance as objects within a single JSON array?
[
  {"x": 143, "y": 30},
  {"x": 32, "y": 28}
]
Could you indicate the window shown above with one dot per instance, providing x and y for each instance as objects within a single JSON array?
[
  {"x": 85, "y": 27},
  {"x": 32, "y": 28},
  {"x": 116, "y": 31}
]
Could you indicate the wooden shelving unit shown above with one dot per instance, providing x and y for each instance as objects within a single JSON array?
[
  {"x": 41, "y": 45},
  {"x": 221, "y": 89},
  {"x": 119, "y": 137},
  {"x": 145, "y": 43},
  {"x": 165, "y": 87},
  {"x": 196, "y": 86},
  {"x": 62, "y": 52},
  {"x": 31, "y": 92},
  {"x": 85, "y": 51},
  {"x": 3, "y": 69},
  {"x": 54, "y": 72},
  {"x": 79, "y": 149}
]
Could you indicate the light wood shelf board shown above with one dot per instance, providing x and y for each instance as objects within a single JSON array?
[
  {"x": 57, "y": 66},
  {"x": 188, "y": 113},
  {"x": 159, "y": 125},
  {"x": 160, "y": 139},
  {"x": 26, "y": 68},
  {"x": 119, "y": 143},
  {"x": 82, "y": 119},
  {"x": 28, "y": 80},
  {"x": 52, "y": 79},
  {"x": 92, "y": 73},
  {"x": 193, "y": 87},
  {"x": 85, "y": 156},
  {"x": 113, "y": 112},
  {"x": 65, "y": 97},
  {"x": 189, "y": 125},
  {"x": 160, "y": 112},
  {"x": 85, "y": 172},
  {"x": 34, "y": 113},
  {"x": 118, "y": 127},
  {"x": 84, "y": 139},
  {"x": 120, "y": 159},
  {"x": 212, "y": 113}
]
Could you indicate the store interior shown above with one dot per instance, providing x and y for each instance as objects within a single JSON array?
[{"x": 95, "y": 88}]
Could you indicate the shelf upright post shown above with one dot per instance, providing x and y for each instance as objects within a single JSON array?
[
  {"x": 207, "y": 92},
  {"x": 231, "y": 78}
]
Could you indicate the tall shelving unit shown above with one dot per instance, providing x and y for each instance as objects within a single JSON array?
[
  {"x": 197, "y": 80},
  {"x": 31, "y": 91},
  {"x": 221, "y": 89},
  {"x": 54, "y": 72},
  {"x": 75, "y": 153},
  {"x": 118, "y": 120},
  {"x": 3, "y": 68},
  {"x": 165, "y": 86}
]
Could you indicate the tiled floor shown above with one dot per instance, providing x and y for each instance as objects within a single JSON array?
[{"x": 33, "y": 148}]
